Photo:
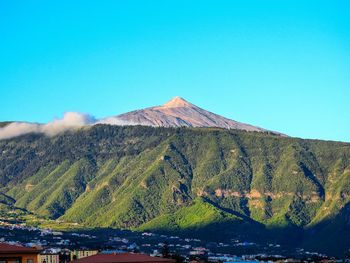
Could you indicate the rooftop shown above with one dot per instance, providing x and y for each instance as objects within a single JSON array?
[{"x": 7, "y": 248}]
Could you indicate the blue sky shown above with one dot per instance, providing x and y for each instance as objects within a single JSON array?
[{"x": 281, "y": 65}]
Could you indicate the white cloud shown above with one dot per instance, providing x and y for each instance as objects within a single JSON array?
[
  {"x": 18, "y": 128},
  {"x": 70, "y": 120},
  {"x": 115, "y": 121}
]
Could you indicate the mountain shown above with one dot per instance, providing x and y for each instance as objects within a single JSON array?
[
  {"x": 180, "y": 113},
  {"x": 211, "y": 183},
  {"x": 175, "y": 113}
]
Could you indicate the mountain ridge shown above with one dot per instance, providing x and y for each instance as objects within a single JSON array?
[
  {"x": 178, "y": 112},
  {"x": 161, "y": 179}
]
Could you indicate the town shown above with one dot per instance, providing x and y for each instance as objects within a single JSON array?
[{"x": 54, "y": 246}]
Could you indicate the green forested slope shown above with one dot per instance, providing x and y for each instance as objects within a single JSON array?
[{"x": 183, "y": 179}]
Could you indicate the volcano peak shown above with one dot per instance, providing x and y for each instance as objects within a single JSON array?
[{"x": 177, "y": 102}]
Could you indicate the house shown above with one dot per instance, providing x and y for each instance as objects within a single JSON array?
[
  {"x": 13, "y": 254},
  {"x": 78, "y": 254},
  {"x": 49, "y": 258},
  {"x": 123, "y": 258}
]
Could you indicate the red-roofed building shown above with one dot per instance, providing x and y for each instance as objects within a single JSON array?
[
  {"x": 18, "y": 254},
  {"x": 123, "y": 258}
]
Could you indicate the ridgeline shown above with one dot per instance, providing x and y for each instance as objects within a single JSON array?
[{"x": 213, "y": 183}]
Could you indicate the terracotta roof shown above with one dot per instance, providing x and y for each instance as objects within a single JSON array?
[
  {"x": 7, "y": 248},
  {"x": 122, "y": 258}
]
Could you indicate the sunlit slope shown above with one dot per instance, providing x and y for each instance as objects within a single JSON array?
[{"x": 175, "y": 179}]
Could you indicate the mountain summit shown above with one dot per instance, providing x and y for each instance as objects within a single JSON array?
[
  {"x": 178, "y": 112},
  {"x": 177, "y": 102}
]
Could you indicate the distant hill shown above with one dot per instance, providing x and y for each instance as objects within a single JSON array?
[
  {"x": 180, "y": 113},
  {"x": 209, "y": 182}
]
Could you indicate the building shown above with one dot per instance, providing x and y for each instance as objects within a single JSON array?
[
  {"x": 123, "y": 258},
  {"x": 49, "y": 258},
  {"x": 18, "y": 254},
  {"x": 78, "y": 254},
  {"x": 65, "y": 255}
]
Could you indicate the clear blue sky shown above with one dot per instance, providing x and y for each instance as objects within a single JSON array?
[{"x": 281, "y": 65}]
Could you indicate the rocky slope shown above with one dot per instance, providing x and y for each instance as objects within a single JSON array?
[{"x": 180, "y": 113}]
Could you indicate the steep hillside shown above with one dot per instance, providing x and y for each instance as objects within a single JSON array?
[
  {"x": 203, "y": 180},
  {"x": 178, "y": 112}
]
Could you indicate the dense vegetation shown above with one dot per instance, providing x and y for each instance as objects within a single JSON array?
[
  {"x": 4, "y": 123},
  {"x": 214, "y": 183}
]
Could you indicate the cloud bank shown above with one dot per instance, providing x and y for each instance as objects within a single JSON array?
[
  {"x": 115, "y": 121},
  {"x": 70, "y": 121}
]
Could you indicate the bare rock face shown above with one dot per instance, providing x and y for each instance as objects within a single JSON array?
[{"x": 180, "y": 113}]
